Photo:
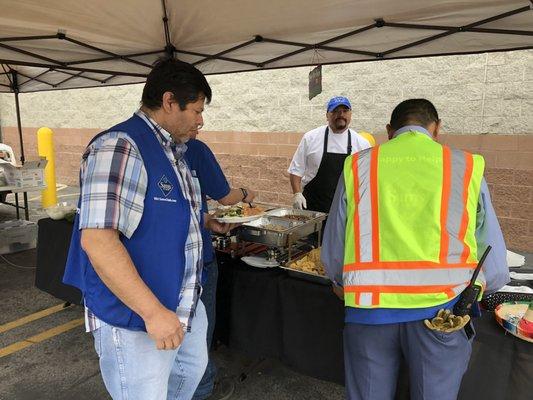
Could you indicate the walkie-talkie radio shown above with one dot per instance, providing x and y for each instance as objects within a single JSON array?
[{"x": 471, "y": 293}]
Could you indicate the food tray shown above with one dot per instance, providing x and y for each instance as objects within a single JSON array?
[
  {"x": 258, "y": 232},
  {"x": 308, "y": 276},
  {"x": 287, "y": 212}
]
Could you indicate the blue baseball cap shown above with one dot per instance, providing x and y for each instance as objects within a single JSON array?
[{"x": 338, "y": 101}]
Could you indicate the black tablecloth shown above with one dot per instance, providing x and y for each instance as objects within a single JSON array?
[
  {"x": 267, "y": 313},
  {"x": 308, "y": 333},
  {"x": 53, "y": 241}
]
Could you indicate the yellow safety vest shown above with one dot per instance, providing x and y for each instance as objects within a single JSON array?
[{"x": 411, "y": 219}]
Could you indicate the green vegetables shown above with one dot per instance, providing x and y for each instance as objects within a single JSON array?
[{"x": 234, "y": 211}]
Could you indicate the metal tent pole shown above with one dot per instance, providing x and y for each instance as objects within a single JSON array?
[{"x": 15, "y": 88}]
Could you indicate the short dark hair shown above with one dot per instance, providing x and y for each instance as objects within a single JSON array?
[
  {"x": 186, "y": 83},
  {"x": 413, "y": 112}
]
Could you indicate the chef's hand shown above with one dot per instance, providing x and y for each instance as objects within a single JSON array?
[
  {"x": 298, "y": 201},
  {"x": 217, "y": 227}
]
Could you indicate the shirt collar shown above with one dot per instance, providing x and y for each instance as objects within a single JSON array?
[
  {"x": 164, "y": 137},
  {"x": 340, "y": 133},
  {"x": 412, "y": 128}
]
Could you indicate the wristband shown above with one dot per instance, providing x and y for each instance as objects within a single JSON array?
[{"x": 244, "y": 194}]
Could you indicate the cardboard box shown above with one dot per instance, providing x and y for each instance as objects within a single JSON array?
[
  {"x": 30, "y": 175},
  {"x": 17, "y": 235}
]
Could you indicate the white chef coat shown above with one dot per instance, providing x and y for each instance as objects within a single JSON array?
[{"x": 306, "y": 160}]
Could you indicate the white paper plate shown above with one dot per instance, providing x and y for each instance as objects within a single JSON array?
[
  {"x": 259, "y": 262},
  {"x": 238, "y": 220}
]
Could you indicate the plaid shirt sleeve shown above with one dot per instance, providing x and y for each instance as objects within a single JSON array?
[{"x": 113, "y": 184}]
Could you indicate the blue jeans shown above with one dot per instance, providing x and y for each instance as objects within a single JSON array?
[
  {"x": 132, "y": 368},
  {"x": 209, "y": 298}
]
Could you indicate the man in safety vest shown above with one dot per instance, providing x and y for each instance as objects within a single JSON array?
[{"x": 415, "y": 216}]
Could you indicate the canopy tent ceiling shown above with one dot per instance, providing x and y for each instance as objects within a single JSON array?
[{"x": 67, "y": 44}]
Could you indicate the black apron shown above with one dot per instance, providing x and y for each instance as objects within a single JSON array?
[{"x": 320, "y": 190}]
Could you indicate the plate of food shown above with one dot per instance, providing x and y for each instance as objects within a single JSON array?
[{"x": 238, "y": 213}]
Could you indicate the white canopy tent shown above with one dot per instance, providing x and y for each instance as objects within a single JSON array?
[
  {"x": 68, "y": 44},
  {"x": 49, "y": 44}
]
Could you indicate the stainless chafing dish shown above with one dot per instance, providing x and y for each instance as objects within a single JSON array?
[
  {"x": 282, "y": 227},
  {"x": 276, "y": 228}
]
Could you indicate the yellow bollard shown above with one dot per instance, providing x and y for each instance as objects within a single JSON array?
[{"x": 45, "y": 145}]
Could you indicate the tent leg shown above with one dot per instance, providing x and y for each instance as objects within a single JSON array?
[
  {"x": 17, "y": 205},
  {"x": 19, "y": 126},
  {"x": 26, "y": 207},
  {"x": 15, "y": 87}
]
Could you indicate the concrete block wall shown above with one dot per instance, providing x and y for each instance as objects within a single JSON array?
[
  {"x": 475, "y": 94},
  {"x": 257, "y": 119}
]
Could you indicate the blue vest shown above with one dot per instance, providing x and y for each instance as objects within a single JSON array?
[{"x": 157, "y": 247}]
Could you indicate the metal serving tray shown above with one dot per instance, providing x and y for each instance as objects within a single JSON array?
[
  {"x": 257, "y": 231},
  {"x": 308, "y": 276},
  {"x": 286, "y": 211}
]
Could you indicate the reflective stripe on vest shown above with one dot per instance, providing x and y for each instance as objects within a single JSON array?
[{"x": 410, "y": 229}]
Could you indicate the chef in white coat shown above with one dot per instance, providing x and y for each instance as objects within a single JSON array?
[{"x": 317, "y": 164}]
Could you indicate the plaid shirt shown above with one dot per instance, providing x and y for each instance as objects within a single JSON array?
[{"x": 113, "y": 187}]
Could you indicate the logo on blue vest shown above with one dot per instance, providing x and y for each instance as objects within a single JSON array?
[{"x": 165, "y": 185}]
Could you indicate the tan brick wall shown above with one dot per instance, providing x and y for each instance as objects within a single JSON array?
[
  {"x": 509, "y": 174},
  {"x": 259, "y": 160}
]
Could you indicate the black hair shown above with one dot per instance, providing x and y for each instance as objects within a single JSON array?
[
  {"x": 413, "y": 112},
  {"x": 186, "y": 83}
]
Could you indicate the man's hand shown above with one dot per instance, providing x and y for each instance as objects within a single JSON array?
[
  {"x": 114, "y": 266},
  {"x": 298, "y": 201},
  {"x": 164, "y": 327},
  {"x": 217, "y": 227},
  {"x": 250, "y": 196},
  {"x": 339, "y": 291}
]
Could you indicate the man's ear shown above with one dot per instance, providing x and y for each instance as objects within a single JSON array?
[
  {"x": 390, "y": 131},
  {"x": 168, "y": 99},
  {"x": 436, "y": 131}
]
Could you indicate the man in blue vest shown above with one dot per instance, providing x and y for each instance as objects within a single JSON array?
[{"x": 136, "y": 249}]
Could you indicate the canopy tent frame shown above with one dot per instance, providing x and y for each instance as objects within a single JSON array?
[
  {"x": 89, "y": 70},
  {"x": 71, "y": 68}
]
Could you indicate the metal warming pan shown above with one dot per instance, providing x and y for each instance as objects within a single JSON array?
[
  {"x": 308, "y": 276},
  {"x": 281, "y": 227}
]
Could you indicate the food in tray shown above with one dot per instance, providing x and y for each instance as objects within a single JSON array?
[
  {"x": 239, "y": 210},
  {"x": 295, "y": 217},
  {"x": 310, "y": 263},
  {"x": 274, "y": 227}
]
